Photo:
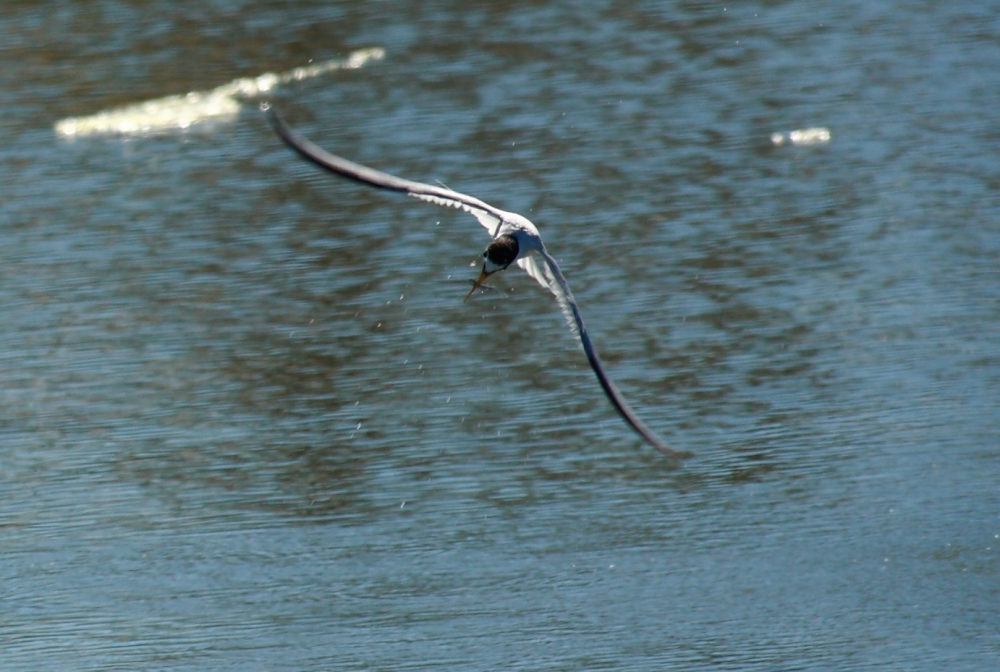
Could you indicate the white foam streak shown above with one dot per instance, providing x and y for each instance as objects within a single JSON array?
[{"x": 182, "y": 111}]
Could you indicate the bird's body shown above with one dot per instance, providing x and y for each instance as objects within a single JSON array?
[{"x": 514, "y": 240}]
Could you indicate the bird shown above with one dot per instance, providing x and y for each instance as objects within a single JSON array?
[{"x": 514, "y": 240}]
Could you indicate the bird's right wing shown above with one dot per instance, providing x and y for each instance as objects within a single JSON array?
[{"x": 487, "y": 215}]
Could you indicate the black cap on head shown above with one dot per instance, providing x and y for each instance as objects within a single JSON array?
[{"x": 502, "y": 252}]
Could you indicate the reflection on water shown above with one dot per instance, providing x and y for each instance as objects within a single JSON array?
[{"x": 248, "y": 421}]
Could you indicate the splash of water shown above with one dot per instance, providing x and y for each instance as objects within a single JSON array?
[{"x": 182, "y": 111}]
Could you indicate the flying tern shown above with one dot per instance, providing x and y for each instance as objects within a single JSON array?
[{"x": 514, "y": 240}]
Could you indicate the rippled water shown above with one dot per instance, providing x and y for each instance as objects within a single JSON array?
[{"x": 249, "y": 423}]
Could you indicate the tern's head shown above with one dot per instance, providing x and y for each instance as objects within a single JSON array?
[{"x": 499, "y": 254}]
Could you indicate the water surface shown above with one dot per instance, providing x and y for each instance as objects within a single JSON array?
[{"x": 248, "y": 422}]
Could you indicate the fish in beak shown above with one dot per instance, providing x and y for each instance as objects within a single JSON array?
[{"x": 482, "y": 278}]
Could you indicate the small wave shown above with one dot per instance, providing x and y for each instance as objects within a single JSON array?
[{"x": 182, "y": 111}]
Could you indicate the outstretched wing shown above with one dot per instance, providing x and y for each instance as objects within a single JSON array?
[
  {"x": 487, "y": 215},
  {"x": 564, "y": 296}
]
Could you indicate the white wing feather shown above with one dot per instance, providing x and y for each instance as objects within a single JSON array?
[
  {"x": 487, "y": 219},
  {"x": 543, "y": 274}
]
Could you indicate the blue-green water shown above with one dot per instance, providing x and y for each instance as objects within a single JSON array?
[{"x": 249, "y": 424}]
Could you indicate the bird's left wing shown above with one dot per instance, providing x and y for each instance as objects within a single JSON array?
[
  {"x": 564, "y": 296},
  {"x": 540, "y": 272},
  {"x": 487, "y": 215},
  {"x": 544, "y": 276}
]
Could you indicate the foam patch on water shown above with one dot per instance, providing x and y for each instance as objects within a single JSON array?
[
  {"x": 803, "y": 137},
  {"x": 182, "y": 111}
]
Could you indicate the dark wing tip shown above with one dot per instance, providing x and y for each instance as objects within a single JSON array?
[
  {"x": 675, "y": 455},
  {"x": 616, "y": 399},
  {"x": 284, "y": 131},
  {"x": 333, "y": 163},
  {"x": 568, "y": 304}
]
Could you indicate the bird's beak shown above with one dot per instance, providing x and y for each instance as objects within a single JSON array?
[{"x": 482, "y": 277}]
